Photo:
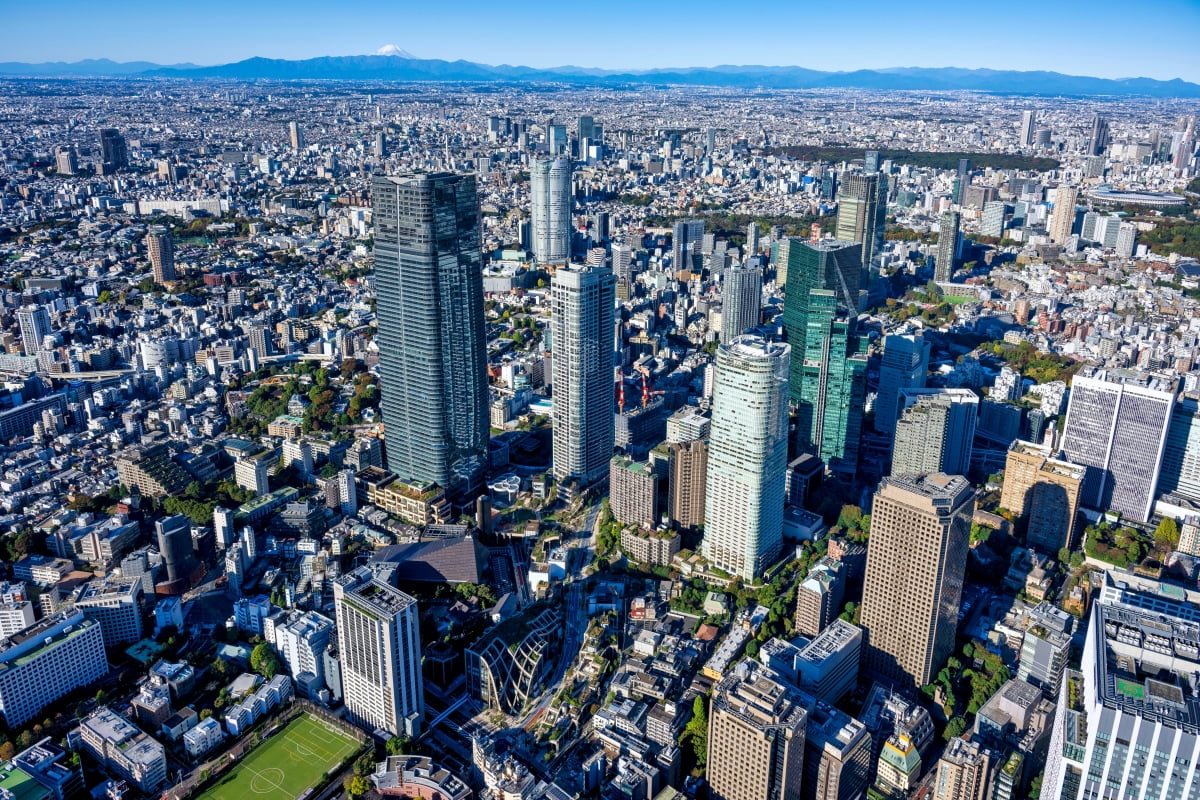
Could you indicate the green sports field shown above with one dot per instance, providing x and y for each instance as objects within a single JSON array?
[{"x": 286, "y": 764}]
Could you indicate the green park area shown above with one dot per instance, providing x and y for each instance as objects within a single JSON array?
[{"x": 287, "y": 764}]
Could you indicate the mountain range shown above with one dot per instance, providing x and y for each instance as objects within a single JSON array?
[{"x": 403, "y": 68}]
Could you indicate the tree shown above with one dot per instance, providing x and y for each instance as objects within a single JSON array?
[
  {"x": 954, "y": 728},
  {"x": 264, "y": 660},
  {"x": 697, "y": 731},
  {"x": 357, "y": 785},
  {"x": 397, "y": 745},
  {"x": 1166, "y": 535}
]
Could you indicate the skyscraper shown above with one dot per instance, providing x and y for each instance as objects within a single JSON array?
[
  {"x": 949, "y": 237},
  {"x": 823, "y": 264},
  {"x": 1118, "y": 429},
  {"x": 296, "y": 136},
  {"x": 687, "y": 475},
  {"x": 1062, "y": 220},
  {"x": 379, "y": 645},
  {"x": 832, "y": 377},
  {"x": 433, "y": 354},
  {"x": 34, "y": 323},
  {"x": 581, "y": 303},
  {"x": 964, "y": 772},
  {"x": 962, "y": 180},
  {"x": 160, "y": 245},
  {"x": 934, "y": 431},
  {"x": 756, "y": 736},
  {"x": 1181, "y": 455},
  {"x": 686, "y": 241},
  {"x": 586, "y": 131},
  {"x": 113, "y": 151},
  {"x": 904, "y": 365},
  {"x": 1044, "y": 491},
  {"x": 550, "y": 190},
  {"x": 1098, "y": 138},
  {"x": 556, "y": 140},
  {"x": 1028, "y": 126},
  {"x": 747, "y": 457},
  {"x": 741, "y": 301},
  {"x": 920, "y": 528},
  {"x": 862, "y": 213}
]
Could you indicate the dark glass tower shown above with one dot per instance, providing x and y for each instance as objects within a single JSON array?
[
  {"x": 433, "y": 352},
  {"x": 826, "y": 264}
]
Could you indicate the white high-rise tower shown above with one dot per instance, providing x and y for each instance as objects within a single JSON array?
[
  {"x": 550, "y": 187},
  {"x": 747, "y": 457}
]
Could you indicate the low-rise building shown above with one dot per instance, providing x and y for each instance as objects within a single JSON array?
[
  {"x": 650, "y": 546},
  {"x": 203, "y": 738},
  {"x": 124, "y": 750},
  {"x": 419, "y": 778}
]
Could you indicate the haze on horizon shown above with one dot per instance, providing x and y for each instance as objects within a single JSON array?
[{"x": 1072, "y": 37}]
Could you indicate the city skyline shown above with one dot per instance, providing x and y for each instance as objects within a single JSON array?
[{"x": 79, "y": 32}]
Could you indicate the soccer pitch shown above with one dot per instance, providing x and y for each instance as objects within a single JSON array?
[{"x": 286, "y": 764}]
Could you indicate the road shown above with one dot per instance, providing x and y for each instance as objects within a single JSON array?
[{"x": 584, "y": 545}]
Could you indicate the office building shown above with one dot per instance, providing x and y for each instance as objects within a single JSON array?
[
  {"x": 550, "y": 210},
  {"x": 379, "y": 645},
  {"x": 1098, "y": 138},
  {"x": 687, "y": 425},
  {"x": 949, "y": 241},
  {"x": 1028, "y": 126},
  {"x": 116, "y": 603},
  {"x": 904, "y": 365},
  {"x": 920, "y": 529},
  {"x": 1128, "y": 721},
  {"x": 224, "y": 529},
  {"x": 687, "y": 477},
  {"x": 296, "y": 136},
  {"x": 747, "y": 457},
  {"x": 1044, "y": 492},
  {"x": 756, "y": 736},
  {"x": 822, "y": 264},
  {"x": 632, "y": 492},
  {"x": 66, "y": 162},
  {"x": 114, "y": 154},
  {"x": 160, "y": 246},
  {"x": 819, "y": 597},
  {"x": 837, "y": 755},
  {"x": 124, "y": 750},
  {"x": 1062, "y": 220},
  {"x": 991, "y": 222},
  {"x": 34, "y": 324},
  {"x": 53, "y": 657},
  {"x": 15, "y": 616},
  {"x": 687, "y": 238},
  {"x": 1045, "y": 647},
  {"x": 432, "y": 347},
  {"x": 964, "y": 772},
  {"x": 251, "y": 475},
  {"x": 581, "y": 302},
  {"x": 935, "y": 431},
  {"x": 832, "y": 392},
  {"x": 1180, "y": 473},
  {"x": 1117, "y": 428},
  {"x": 961, "y": 181},
  {"x": 826, "y": 666},
  {"x": 174, "y": 536},
  {"x": 741, "y": 301},
  {"x": 862, "y": 214}
]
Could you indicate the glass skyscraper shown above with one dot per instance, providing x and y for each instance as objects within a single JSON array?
[
  {"x": 832, "y": 382},
  {"x": 862, "y": 211},
  {"x": 550, "y": 207},
  {"x": 747, "y": 457},
  {"x": 433, "y": 354}
]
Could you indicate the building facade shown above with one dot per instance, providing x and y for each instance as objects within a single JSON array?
[
  {"x": 743, "y": 518},
  {"x": 1044, "y": 491},
  {"x": 379, "y": 646},
  {"x": 741, "y": 301},
  {"x": 934, "y": 431},
  {"x": 433, "y": 351},
  {"x": 550, "y": 208},
  {"x": 920, "y": 529}
]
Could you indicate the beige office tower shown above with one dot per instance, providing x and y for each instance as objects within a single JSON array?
[
  {"x": 161, "y": 248},
  {"x": 688, "y": 472},
  {"x": 964, "y": 772},
  {"x": 920, "y": 530},
  {"x": 755, "y": 736},
  {"x": 1063, "y": 218},
  {"x": 296, "y": 135},
  {"x": 1044, "y": 491}
]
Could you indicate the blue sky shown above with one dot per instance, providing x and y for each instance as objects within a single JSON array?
[{"x": 1105, "y": 38}]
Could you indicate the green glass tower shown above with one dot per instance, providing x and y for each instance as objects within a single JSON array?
[
  {"x": 825, "y": 264},
  {"x": 832, "y": 377}
]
